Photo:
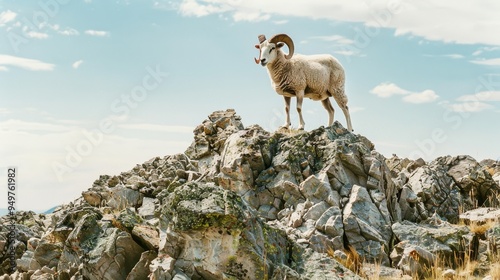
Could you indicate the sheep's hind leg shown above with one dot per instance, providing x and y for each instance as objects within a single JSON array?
[
  {"x": 345, "y": 109},
  {"x": 329, "y": 108},
  {"x": 341, "y": 99},
  {"x": 287, "y": 111},
  {"x": 300, "y": 98}
]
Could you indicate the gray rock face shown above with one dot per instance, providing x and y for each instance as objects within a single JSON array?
[
  {"x": 420, "y": 244},
  {"x": 244, "y": 203},
  {"x": 447, "y": 186}
]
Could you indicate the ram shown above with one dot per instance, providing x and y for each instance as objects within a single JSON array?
[{"x": 317, "y": 77}]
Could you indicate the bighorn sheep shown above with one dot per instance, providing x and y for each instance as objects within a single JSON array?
[{"x": 317, "y": 77}]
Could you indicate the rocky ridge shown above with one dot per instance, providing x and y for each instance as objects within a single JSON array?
[{"x": 244, "y": 203}]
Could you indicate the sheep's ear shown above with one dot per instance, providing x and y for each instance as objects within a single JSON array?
[
  {"x": 257, "y": 46},
  {"x": 280, "y": 44}
]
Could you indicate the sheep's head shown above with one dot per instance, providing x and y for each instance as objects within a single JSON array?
[{"x": 269, "y": 48}]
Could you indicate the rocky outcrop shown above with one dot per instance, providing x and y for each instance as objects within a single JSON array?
[{"x": 244, "y": 203}]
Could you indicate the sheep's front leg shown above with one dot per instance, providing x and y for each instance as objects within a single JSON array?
[
  {"x": 287, "y": 111},
  {"x": 300, "y": 98}
]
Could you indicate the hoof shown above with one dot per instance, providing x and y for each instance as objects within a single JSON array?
[{"x": 287, "y": 127}]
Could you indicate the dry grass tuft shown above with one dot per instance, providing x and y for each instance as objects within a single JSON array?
[
  {"x": 353, "y": 261},
  {"x": 481, "y": 228}
]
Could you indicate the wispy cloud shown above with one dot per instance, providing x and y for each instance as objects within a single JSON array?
[
  {"x": 334, "y": 38},
  {"x": 481, "y": 96},
  {"x": 37, "y": 35},
  {"x": 341, "y": 45},
  {"x": 98, "y": 33},
  {"x": 20, "y": 125},
  {"x": 470, "y": 107},
  {"x": 68, "y": 32},
  {"x": 473, "y": 103},
  {"x": 193, "y": 8},
  {"x": 452, "y": 56},
  {"x": 385, "y": 90},
  {"x": 77, "y": 64},
  {"x": 7, "y": 16},
  {"x": 485, "y": 49},
  {"x": 25, "y": 63},
  {"x": 488, "y": 62}
]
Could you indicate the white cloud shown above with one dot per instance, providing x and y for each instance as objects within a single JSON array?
[
  {"x": 69, "y": 32},
  {"x": 470, "y": 107},
  {"x": 335, "y": 38},
  {"x": 25, "y": 63},
  {"x": 346, "y": 52},
  {"x": 413, "y": 18},
  {"x": 98, "y": 33},
  {"x": 485, "y": 49},
  {"x": 385, "y": 90},
  {"x": 7, "y": 16},
  {"x": 425, "y": 96},
  {"x": 454, "y": 56},
  {"x": 252, "y": 17},
  {"x": 26, "y": 126},
  {"x": 37, "y": 35},
  {"x": 77, "y": 64},
  {"x": 481, "y": 96},
  {"x": 489, "y": 62},
  {"x": 193, "y": 8},
  {"x": 3, "y": 68}
]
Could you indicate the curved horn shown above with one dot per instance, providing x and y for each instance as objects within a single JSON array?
[
  {"x": 285, "y": 39},
  {"x": 262, "y": 38}
]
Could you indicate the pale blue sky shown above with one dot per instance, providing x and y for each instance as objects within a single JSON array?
[{"x": 94, "y": 87}]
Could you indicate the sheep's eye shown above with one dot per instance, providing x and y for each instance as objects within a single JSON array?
[{"x": 272, "y": 49}]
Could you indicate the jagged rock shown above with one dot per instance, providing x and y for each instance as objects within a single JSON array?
[
  {"x": 218, "y": 235},
  {"x": 141, "y": 268},
  {"x": 244, "y": 203},
  {"x": 447, "y": 186},
  {"x": 147, "y": 209},
  {"x": 420, "y": 244},
  {"x": 481, "y": 215},
  {"x": 470, "y": 176},
  {"x": 113, "y": 256},
  {"x": 493, "y": 240},
  {"x": 365, "y": 225},
  {"x": 414, "y": 260},
  {"x": 121, "y": 197},
  {"x": 92, "y": 197},
  {"x": 147, "y": 236},
  {"x": 314, "y": 268},
  {"x": 437, "y": 193},
  {"x": 162, "y": 268}
]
